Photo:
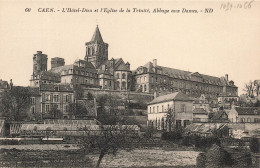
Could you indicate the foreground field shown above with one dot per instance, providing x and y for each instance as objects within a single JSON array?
[{"x": 153, "y": 157}]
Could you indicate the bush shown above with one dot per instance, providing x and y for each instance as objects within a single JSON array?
[
  {"x": 254, "y": 145},
  {"x": 186, "y": 141},
  {"x": 173, "y": 135},
  {"x": 201, "y": 160},
  {"x": 215, "y": 156}
]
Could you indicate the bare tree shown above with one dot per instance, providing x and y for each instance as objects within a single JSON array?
[
  {"x": 250, "y": 89},
  {"x": 115, "y": 132}
]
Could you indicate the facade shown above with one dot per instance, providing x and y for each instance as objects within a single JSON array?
[
  {"x": 179, "y": 103},
  {"x": 154, "y": 78},
  {"x": 248, "y": 114},
  {"x": 55, "y": 100}
]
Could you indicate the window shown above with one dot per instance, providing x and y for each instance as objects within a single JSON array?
[
  {"x": 118, "y": 84},
  {"x": 117, "y": 75},
  {"x": 157, "y": 109},
  {"x": 257, "y": 120},
  {"x": 123, "y": 76},
  {"x": 150, "y": 109},
  {"x": 32, "y": 100},
  {"x": 47, "y": 97},
  {"x": 47, "y": 107},
  {"x": 123, "y": 85},
  {"x": 183, "y": 108},
  {"x": 56, "y": 88},
  {"x": 248, "y": 119},
  {"x": 162, "y": 108},
  {"x": 145, "y": 88},
  {"x": 68, "y": 98},
  {"x": 56, "y": 98},
  {"x": 33, "y": 110},
  {"x": 242, "y": 120}
]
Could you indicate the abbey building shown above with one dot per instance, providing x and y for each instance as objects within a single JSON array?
[{"x": 97, "y": 70}]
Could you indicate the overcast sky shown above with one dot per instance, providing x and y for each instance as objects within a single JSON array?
[{"x": 223, "y": 42}]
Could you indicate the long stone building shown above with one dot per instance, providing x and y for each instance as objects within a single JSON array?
[{"x": 154, "y": 78}]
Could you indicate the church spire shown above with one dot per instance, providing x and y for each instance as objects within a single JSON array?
[{"x": 97, "y": 36}]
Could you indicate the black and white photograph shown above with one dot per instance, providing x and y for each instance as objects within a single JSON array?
[{"x": 130, "y": 84}]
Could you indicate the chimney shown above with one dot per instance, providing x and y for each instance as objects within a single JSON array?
[
  {"x": 226, "y": 77},
  {"x": 154, "y": 62},
  {"x": 39, "y": 52}
]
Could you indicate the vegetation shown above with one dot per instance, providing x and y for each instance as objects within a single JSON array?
[
  {"x": 15, "y": 103},
  {"x": 115, "y": 130},
  {"x": 251, "y": 89},
  {"x": 254, "y": 145}
]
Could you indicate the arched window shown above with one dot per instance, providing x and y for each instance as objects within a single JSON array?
[
  {"x": 144, "y": 88},
  {"x": 141, "y": 88},
  {"x": 117, "y": 75},
  {"x": 123, "y": 76},
  {"x": 93, "y": 51},
  {"x": 117, "y": 84},
  {"x": 88, "y": 51},
  {"x": 123, "y": 85}
]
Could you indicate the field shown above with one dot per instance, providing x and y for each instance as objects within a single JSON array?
[{"x": 71, "y": 157}]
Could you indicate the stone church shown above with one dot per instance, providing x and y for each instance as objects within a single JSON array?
[{"x": 96, "y": 70}]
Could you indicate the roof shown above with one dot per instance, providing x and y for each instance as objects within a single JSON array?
[
  {"x": 204, "y": 128},
  {"x": 181, "y": 74},
  {"x": 177, "y": 96},
  {"x": 97, "y": 36},
  {"x": 248, "y": 110},
  {"x": 199, "y": 111},
  {"x": 217, "y": 115}
]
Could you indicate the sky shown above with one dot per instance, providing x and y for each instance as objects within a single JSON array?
[{"x": 215, "y": 44}]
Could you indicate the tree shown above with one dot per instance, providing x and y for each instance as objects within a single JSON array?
[
  {"x": 78, "y": 110},
  {"x": 115, "y": 132},
  {"x": 15, "y": 103},
  {"x": 170, "y": 119},
  {"x": 254, "y": 145},
  {"x": 250, "y": 89}
]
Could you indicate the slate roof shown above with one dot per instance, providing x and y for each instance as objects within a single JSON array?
[
  {"x": 97, "y": 36},
  {"x": 199, "y": 111},
  {"x": 177, "y": 96},
  {"x": 248, "y": 110},
  {"x": 217, "y": 116},
  {"x": 186, "y": 75}
]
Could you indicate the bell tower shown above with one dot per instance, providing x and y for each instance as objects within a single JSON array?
[{"x": 96, "y": 49}]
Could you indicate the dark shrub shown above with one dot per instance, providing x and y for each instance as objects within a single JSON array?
[
  {"x": 215, "y": 156},
  {"x": 186, "y": 141},
  {"x": 173, "y": 135},
  {"x": 254, "y": 145},
  {"x": 201, "y": 160},
  {"x": 197, "y": 141}
]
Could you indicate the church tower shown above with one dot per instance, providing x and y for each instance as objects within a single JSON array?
[{"x": 96, "y": 49}]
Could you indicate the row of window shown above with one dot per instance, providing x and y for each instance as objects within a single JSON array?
[
  {"x": 118, "y": 75},
  {"x": 55, "y": 98},
  {"x": 256, "y": 120},
  {"x": 180, "y": 84},
  {"x": 155, "y": 109}
]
